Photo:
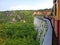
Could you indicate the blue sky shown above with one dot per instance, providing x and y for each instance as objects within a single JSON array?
[{"x": 25, "y": 4}]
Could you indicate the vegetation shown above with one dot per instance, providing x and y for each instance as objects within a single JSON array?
[
  {"x": 18, "y": 34},
  {"x": 17, "y": 31},
  {"x": 18, "y": 15}
]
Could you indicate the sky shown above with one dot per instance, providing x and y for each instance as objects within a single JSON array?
[{"x": 25, "y": 4}]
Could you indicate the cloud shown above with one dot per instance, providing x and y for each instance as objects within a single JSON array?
[
  {"x": 31, "y": 7},
  {"x": 25, "y": 4}
]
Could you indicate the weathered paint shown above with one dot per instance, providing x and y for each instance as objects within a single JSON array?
[
  {"x": 56, "y": 28},
  {"x": 58, "y": 10},
  {"x": 58, "y": 22},
  {"x": 59, "y": 32}
]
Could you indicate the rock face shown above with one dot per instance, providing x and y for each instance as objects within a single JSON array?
[
  {"x": 9, "y": 13},
  {"x": 44, "y": 29},
  {"x": 13, "y": 20},
  {"x": 38, "y": 13}
]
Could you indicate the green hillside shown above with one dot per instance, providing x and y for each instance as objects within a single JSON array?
[
  {"x": 16, "y": 28},
  {"x": 23, "y": 15}
]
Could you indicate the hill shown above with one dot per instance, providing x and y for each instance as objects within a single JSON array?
[{"x": 17, "y": 28}]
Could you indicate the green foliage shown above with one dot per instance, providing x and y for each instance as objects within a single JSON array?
[
  {"x": 23, "y": 14},
  {"x": 18, "y": 32}
]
